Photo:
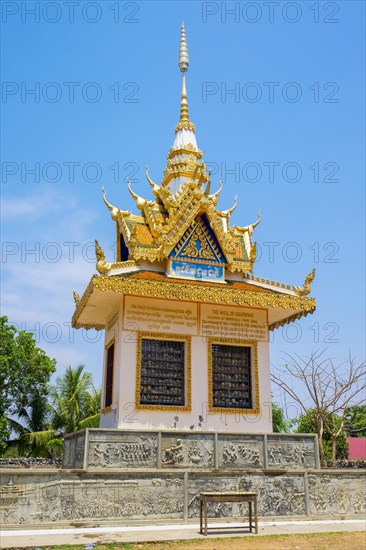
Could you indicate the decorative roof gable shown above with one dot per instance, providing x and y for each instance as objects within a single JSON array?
[{"x": 199, "y": 243}]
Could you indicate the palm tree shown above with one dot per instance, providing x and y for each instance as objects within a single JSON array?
[
  {"x": 33, "y": 428},
  {"x": 75, "y": 404},
  {"x": 74, "y": 407}
]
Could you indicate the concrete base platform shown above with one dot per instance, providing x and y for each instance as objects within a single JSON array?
[{"x": 150, "y": 533}]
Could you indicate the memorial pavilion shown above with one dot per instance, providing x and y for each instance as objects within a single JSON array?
[{"x": 186, "y": 322}]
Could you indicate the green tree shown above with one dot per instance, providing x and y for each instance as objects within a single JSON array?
[
  {"x": 33, "y": 428},
  {"x": 319, "y": 384},
  {"x": 25, "y": 371},
  {"x": 355, "y": 421},
  {"x": 75, "y": 404},
  {"x": 279, "y": 424},
  {"x": 334, "y": 448},
  {"x": 74, "y": 407}
]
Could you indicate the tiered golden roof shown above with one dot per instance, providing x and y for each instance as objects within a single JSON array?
[
  {"x": 153, "y": 234},
  {"x": 163, "y": 221},
  {"x": 181, "y": 223}
]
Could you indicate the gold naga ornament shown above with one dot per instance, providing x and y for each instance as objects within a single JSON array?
[{"x": 306, "y": 288}]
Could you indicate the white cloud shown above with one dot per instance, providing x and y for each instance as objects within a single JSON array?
[{"x": 37, "y": 293}]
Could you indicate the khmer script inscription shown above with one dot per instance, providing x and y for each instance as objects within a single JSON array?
[{"x": 154, "y": 315}]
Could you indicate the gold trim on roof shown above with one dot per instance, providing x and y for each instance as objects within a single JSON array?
[
  {"x": 258, "y": 279},
  {"x": 185, "y": 125},
  {"x": 196, "y": 292},
  {"x": 288, "y": 320}
]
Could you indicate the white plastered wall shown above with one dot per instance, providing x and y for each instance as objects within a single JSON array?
[{"x": 124, "y": 415}]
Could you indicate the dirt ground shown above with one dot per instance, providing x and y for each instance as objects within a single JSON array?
[{"x": 317, "y": 541}]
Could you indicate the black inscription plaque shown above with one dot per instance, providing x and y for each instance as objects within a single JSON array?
[
  {"x": 231, "y": 377},
  {"x": 162, "y": 372}
]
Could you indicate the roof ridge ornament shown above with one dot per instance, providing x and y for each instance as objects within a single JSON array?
[
  {"x": 102, "y": 265},
  {"x": 227, "y": 213},
  {"x": 306, "y": 287},
  {"x": 140, "y": 202},
  {"x": 215, "y": 196},
  {"x": 183, "y": 62},
  {"x": 112, "y": 209}
]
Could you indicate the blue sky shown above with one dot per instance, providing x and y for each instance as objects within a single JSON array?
[{"x": 289, "y": 141}]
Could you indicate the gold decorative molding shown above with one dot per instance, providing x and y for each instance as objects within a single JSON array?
[
  {"x": 288, "y": 320},
  {"x": 239, "y": 266},
  {"x": 188, "y": 371},
  {"x": 192, "y": 291},
  {"x": 185, "y": 125},
  {"x": 185, "y": 150},
  {"x": 208, "y": 250},
  {"x": 255, "y": 377},
  {"x": 257, "y": 279},
  {"x": 127, "y": 263}
]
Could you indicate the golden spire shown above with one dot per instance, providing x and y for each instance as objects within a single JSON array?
[
  {"x": 183, "y": 51},
  {"x": 183, "y": 63}
]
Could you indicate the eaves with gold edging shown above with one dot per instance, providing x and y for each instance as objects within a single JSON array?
[{"x": 197, "y": 292}]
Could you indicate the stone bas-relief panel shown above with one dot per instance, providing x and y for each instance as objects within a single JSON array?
[
  {"x": 35, "y": 498},
  {"x": 283, "y": 495},
  {"x": 74, "y": 451},
  {"x": 277, "y": 496},
  {"x": 291, "y": 452},
  {"x": 133, "y": 451},
  {"x": 20, "y": 496},
  {"x": 332, "y": 494},
  {"x": 92, "y": 499},
  {"x": 185, "y": 451},
  {"x": 110, "y": 449},
  {"x": 240, "y": 451}
]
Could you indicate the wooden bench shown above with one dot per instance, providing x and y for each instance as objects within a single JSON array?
[{"x": 250, "y": 498}]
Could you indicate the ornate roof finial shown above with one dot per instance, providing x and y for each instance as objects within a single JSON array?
[
  {"x": 140, "y": 202},
  {"x": 183, "y": 65},
  {"x": 215, "y": 196},
  {"x": 183, "y": 51},
  {"x": 113, "y": 209}
]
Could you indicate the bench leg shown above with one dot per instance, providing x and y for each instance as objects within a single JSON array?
[
  {"x": 206, "y": 518},
  {"x": 200, "y": 516},
  {"x": 256, "y": 515}
]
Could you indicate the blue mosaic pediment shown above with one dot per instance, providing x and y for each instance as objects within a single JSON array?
[{"x": 199, "y": 244}]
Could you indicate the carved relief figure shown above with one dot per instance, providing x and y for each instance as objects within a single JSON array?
[
  {"x": 250, "y": 455},
  {"x": 275, "y": 454},
  {"x": 174, "y": 453},
  {"x": 228, "y": 453},
  {"x": 194, "y": 453},
  {"x": 132, "y": 452}
]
